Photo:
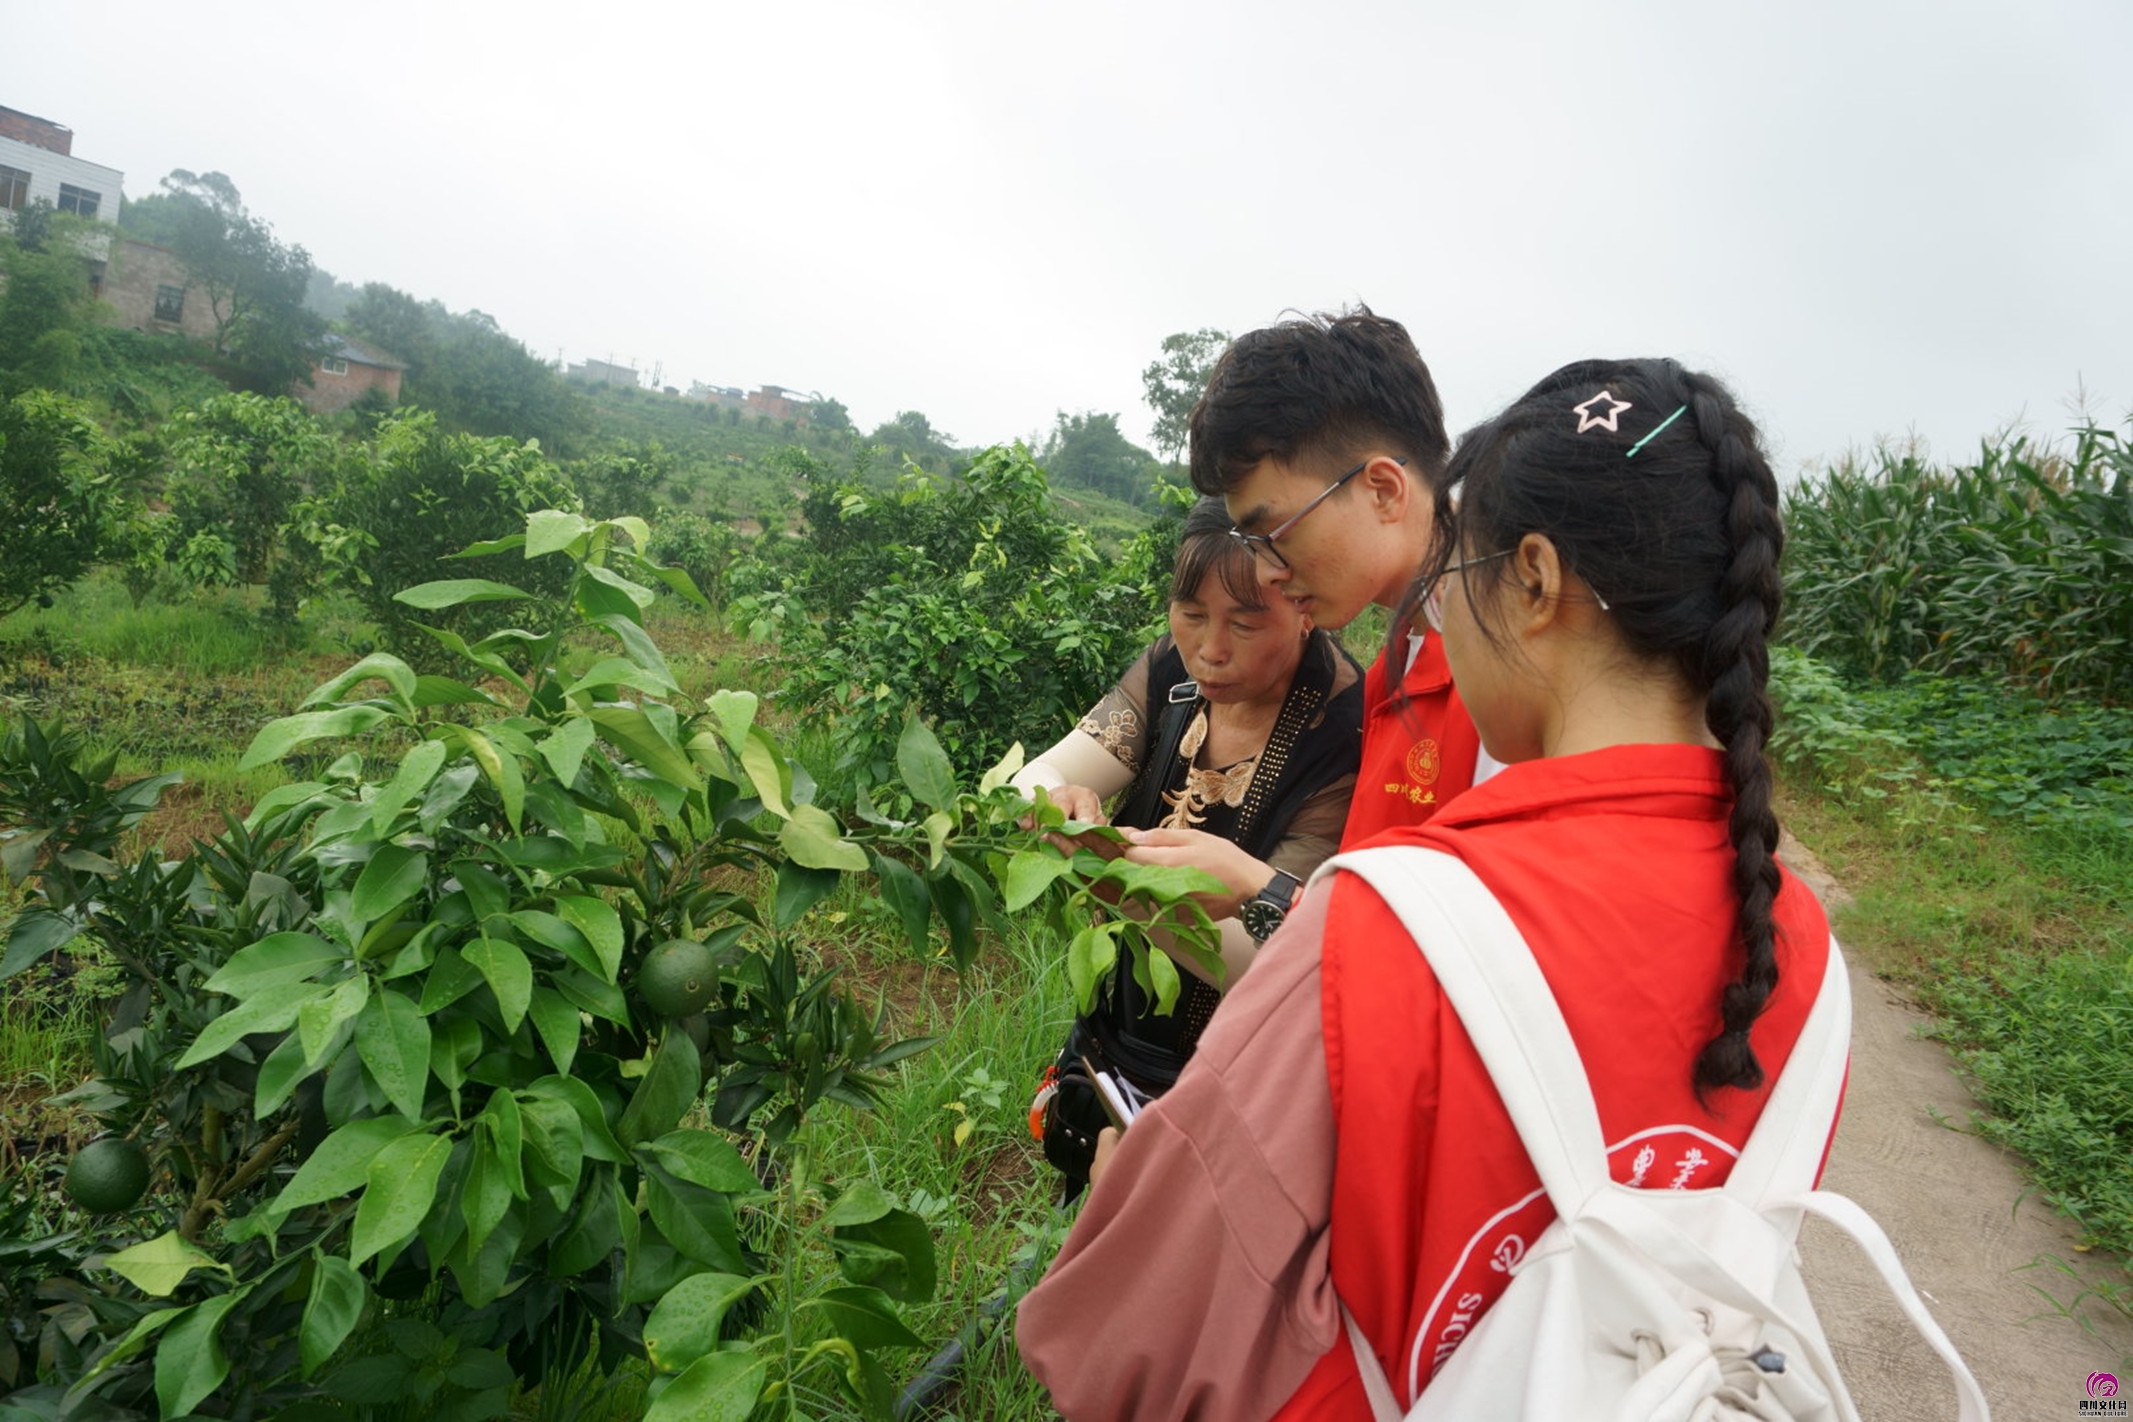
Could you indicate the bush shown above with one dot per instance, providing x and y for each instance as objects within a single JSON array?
[
  {"x": 61, "y": 511},
  {"x": 237, "y": 465},
  {"x": 417, "y": 497},
  {"x": 970, "y": 602}
]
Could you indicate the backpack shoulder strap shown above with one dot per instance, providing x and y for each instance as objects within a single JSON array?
[
  {"x": 1790, "y": 1137},
  {"x": 1488, "y": 973}
]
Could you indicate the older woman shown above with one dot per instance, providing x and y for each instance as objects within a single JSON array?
[{"x": 1244, "y": 722}]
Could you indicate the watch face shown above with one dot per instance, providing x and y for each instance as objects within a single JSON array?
[{"x": 1261, "y": 918}]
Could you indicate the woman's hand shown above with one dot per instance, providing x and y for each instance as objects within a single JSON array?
[
  {"x": 1106, "y": 1146},
  {"x": 1080, "y": 803},
  {"x": 1241, "y": 874}
]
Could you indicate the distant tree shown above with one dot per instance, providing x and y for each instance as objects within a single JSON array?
[
  {"x": 829, "y": 415},
  {"x": 329, "y": 297},
  {"x": 912, "y": 435},
  {"x": 1175, "y": 380},
  {"x": 1089, "y": 450},
  {"x": 468, "y": 369},
  {"x": 625, "y": 478},
  {"x": 254, "y": 282},
  {"x": 237, "y": 466},
  {"x": 47, "y": 302}
]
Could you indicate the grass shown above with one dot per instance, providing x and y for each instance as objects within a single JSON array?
[{"x": 1992, "y": 875}]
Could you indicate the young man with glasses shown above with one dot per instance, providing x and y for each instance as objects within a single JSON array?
[{"x": 1325, "y": 438}]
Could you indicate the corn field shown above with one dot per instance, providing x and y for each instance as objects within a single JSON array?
[{"x": 2018, "y": 567}]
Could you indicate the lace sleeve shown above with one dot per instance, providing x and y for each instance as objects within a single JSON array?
[
  {"x": 1316, "y": 831},
  {"x": 1119, "y": 722}
]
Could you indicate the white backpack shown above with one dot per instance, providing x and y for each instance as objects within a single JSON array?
[{"x": 1634, "y": 1305}]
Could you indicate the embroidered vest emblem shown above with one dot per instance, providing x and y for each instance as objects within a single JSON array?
[{"x": 1423, "y": 762}]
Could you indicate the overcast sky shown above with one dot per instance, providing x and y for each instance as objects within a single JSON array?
[{"x": 1876, "y": 217}]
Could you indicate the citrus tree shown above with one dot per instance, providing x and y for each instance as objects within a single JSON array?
[{"x": 487, "y": 1052}]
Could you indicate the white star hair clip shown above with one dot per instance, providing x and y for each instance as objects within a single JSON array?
[{"x": 1588, "y": 420}]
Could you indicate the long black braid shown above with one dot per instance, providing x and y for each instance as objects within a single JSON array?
[{"x": 1671, "y": 516}]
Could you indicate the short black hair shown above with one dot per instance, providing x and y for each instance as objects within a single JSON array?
[
  {"x": 1204, "y": 546},
  {"x": 1337, "y": 383}
]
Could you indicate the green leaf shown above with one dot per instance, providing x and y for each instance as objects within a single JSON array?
[
  {"x": 273, "y": 961},
  {"x": 341, "y": 1163},
  {"x": 1029, "y": 874},
  {"x": 718, "y": 1387},
  {"x": 906, "y": 893},
  {"x": 450, "y": 978},
  {"x": 564, "y": 748},
  {"x": 600, "y": 1143},
  {"x": 1164, "y": 974},
  {"x": 633, "y": 733},
  {"x": 332, "y": 1311},
  {"x": 390, "y": 879},
  {"x": 865, "y": 1316},
  {"x": 766, "y": 770},
  {"x": 735, "y": 713},
  {"x": 378, "y": 666},
  {"x": 277, "y": 738},
  {"x": 393, "y": 1039},
  {"x": 564, "y": 937},
  {"x": 279, "y": 1075},
  {"x": 665, "y": 1092},
  {"x": 1003, "y": 772},
  {"x": 402, "y": 1187},
  {"x": 501, "y": 768},
  {"x": 1089, "y": 956},
  {"x": 35, "y": 933},
  {"x": 272, "y": 1010},
  {"x": 959, "y": 915},
  {"x": 799, "y": 889},
  {"x": 451, "y": 592},
  {"x": 1162, "y": 881},
  {"x": 614, "y": 671},
  {"x": 640, "y": 532},
  {"x": 157, "y": 1266},
  {"x": 895, "y": 1250},
  {"x": 491, "y": 545},
  {"x": 638, "y": 644},
  {"x": 557, "y": 1023},
  {"x": 702, "y": 1158},
  {"x": 280, "y": 798},
  {"x": 319, "y": 1020},
  {"x": 636, "y": 592},
  {"x": 444, "y": 691},
  {"x": 510, "y": 976},
  {"x": 190, "y": 1362},
  {"x": 485, "y": 1197},
  {"x": 696, "y": 1221},
  {"x": 601, "y": 926},
  {"x": 924, "y": 766},
  {"x": 816, "y": 840},
  {"x": 553, "y": 531},
  {"x": 680, "y": 582},
  {"x": 417, "y": 769},
  {"x": 685, "y": 1324}
]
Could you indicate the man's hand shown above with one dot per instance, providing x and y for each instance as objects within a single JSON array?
[{"x": 1239, "y": 872}]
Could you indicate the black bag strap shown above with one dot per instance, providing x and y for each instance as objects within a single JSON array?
[{"x": 1143, "y": 804}]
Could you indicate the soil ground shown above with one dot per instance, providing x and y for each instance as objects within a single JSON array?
[{"x": 1963, "y": 1221}]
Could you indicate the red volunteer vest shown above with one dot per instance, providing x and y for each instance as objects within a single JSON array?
[
  {"x": 1418, "y": 749},
  {"x": 1615, "y": 866}
]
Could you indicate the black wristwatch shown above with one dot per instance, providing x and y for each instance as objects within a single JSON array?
[{"x": 1264, "y": 911}]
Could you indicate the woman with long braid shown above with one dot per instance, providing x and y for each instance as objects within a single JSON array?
[{"x": 1605, "y": 583}]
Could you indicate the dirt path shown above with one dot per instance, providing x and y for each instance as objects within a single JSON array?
[{"x": 1954, "y": 1206}]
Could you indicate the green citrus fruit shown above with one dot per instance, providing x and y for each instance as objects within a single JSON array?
[
  {"x": 107, "y": 1176},
  {"x": 678, "y": 978}
]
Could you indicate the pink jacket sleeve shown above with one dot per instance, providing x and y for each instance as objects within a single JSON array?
[{"x": 1196, "y": 1282}]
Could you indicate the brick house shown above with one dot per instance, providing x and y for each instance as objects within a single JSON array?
[
  {"x": 149, "y": 289},
  {"x": 779, "y": 403},
  {"x": 348, "y": 370}
]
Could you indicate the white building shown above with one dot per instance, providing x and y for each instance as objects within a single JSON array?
[{"x": 37, "y": 162}]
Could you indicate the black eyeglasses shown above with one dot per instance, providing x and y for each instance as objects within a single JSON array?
[{"x": 1262, "y": 544}]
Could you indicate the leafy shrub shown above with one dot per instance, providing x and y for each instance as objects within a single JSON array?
[
  {"x": 969, "y": 602},
  {"x": 417, "y": 497},
  {"x": 415, "y": 1133},
  {"x": 704, "y": 548},
  {"x": 61, "y": 509},
  {"x": 237, "y": 465}
]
